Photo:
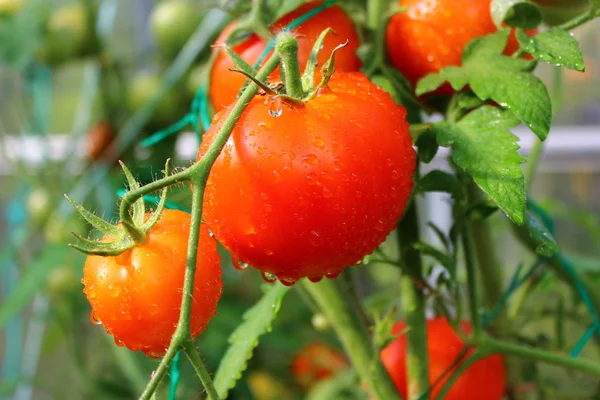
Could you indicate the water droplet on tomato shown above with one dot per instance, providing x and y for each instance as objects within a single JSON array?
[
  {"x": 315, "y": 279},
  {"x": 119, "y": 342},
  {"x": 95, "y": 320},
  {"x": 332, "y": 274},
  {"x": 327, "y": 193},
  {"x": 210, "y": 233},
  {"x": 269, "y": 252},
  {"x": 311, "y": 179},
  {"x": 310, "y": 159},
  {"x": 275, "y": 109},
  {"x": 268, "y": 277},
  {"x": 287, "y": 281},
  {"x": 318, "y": 142},
  {"x": 239, "y": 265},
  {"x": 315, "y": 238}
]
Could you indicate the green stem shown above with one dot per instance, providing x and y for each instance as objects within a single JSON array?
[
  {"x": 337, "y": 307},
  {"x": 581, "y": 19},
  {"x": 201, "y": 371},
  {"x": 159, "y": 372},
  {"x": 375, "y": 11},
  {"x": 287, "y": 48},
  {"x": 530, "y": 353},
  {"x": 472, "y": 359},
  {"x": 467, "y": 242},
  {"x": 255, "y": 21},
  {"x": 413, "y": 305},
  {"x": 533, "y": 161},
  {"x": 198, "y": 175}
]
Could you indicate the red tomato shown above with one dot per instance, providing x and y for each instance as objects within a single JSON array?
[
  {"x": 98, "y": 138},
  {"x": 484, "y": 380},
  {"x": 308, "y": 191},
  {"x": 225, "y": 85},
  {"x": 316, "y": 362},
  {"x": 431, "y": 35},
  {"x": 137, "y": 294}
]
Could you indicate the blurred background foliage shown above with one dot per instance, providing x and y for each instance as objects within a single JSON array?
[{"x": 81, "y": 83}]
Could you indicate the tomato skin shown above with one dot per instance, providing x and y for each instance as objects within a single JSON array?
[
  {"x": 316, "y": 362},
  {"x": 484, "y": 380},
  {"x": 137, "y": 294},
  {"x": 314, "y": 188},
  {"x": 431, "y": 35},
  {"x": 225, "y": 85}
]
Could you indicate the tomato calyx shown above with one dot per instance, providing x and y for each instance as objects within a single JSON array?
[
  {"x": 129, "y": 232},
  {"x": 297, "y": 88}
]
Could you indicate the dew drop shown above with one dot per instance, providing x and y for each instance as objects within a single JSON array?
[
  {"x": 310, "y": 159},
  {"x": 275, "y": 109},
  {"x": 239, "y": 265},
  {"x": 327, "y": 193},
  {"x": 268, "y": 277},
  {"x": 315, "y": 239},
  {"x": 315, "y": 279},
  {"x": 269, "y": 252},
  {"x": 119, "y": 342},
  {"x": 318, "y": 142},
  {"x": 332, "y": 274},
  {"x": 210, "y": 233},
  {"x": 287, "y": 281},
  {"x": 95, "y": 320}
]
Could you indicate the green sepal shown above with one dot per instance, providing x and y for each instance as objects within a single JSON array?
[
  {"x": 139, "y": 207},
  {"x": 106, "y": 253},
  {"x": 239, "y": 63},
  {"x": 328, "y": 68},
  {"x": 160, "y": 206},
  {"x": 97, "y": 222},
  {"x": 92, "y": 244},
  {"x": 134, "y": 232},
  {"x": 308, "y": 78},
  {"x": 260, "y": 84}
]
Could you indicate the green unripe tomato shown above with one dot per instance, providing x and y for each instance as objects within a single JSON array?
[
  {"x": 67, "y": 34},
  {"x": 39, "y": 205},
  {"x": 142, "y": 89},
  {"x": 556, "y": 12},
  {"x": 10, "y": 7},
  {"x": 58, "y": 231},
  {"x": 62, "y": 281},
  {"x": 172, "y": 23},
  {"x": 194, "y": 80}
]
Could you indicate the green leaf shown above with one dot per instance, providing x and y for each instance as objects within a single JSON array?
[
  {"x": 427, "y": 146},
  {"x": 382, "y": 328},
  {"x": 239, "y": 62},
  {"x": 519, "y": 13},
  {"x": 480, "y": 211},
  {"x": 332, "y": 388},
  {"x": 545, "y": 243},
  {"x": 257, "y": 321},
  {"x": 443, "y": 258},
  {"x": 555, "y": 46},
  {"x": 32, "y": 281},
  {"x": 493, "y": 76},
  {"x": 485, "y": 148},
  {"x": 440, "y": 181}
]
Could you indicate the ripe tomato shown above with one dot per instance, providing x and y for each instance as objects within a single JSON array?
[
  {"x": 137, "y": 294},
  {"x": 225, "y": 85},
  {"x": 172, "y": 23},
  {"x": 98, "y": 138},
  {"x": 431, "y": 35},
  {"x": 316, "y": 362},
  {"x": 484, "y": 380},
  {"x": 313, "y": 188}
]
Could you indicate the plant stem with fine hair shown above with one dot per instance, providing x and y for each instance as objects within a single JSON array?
[
  {"x": 413, "y": 306},
  {"x": 333, "y": 298}
]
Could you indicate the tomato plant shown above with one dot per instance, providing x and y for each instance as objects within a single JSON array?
[
  {"x": 316, "y": 362},
  {"x": 136, "y": 295},
  {"x": 485, "y": 379},
  {"x": 428, "y": 36},
  {"x": 225, "y": 85},
  {"x": 331, "y": 189}
]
